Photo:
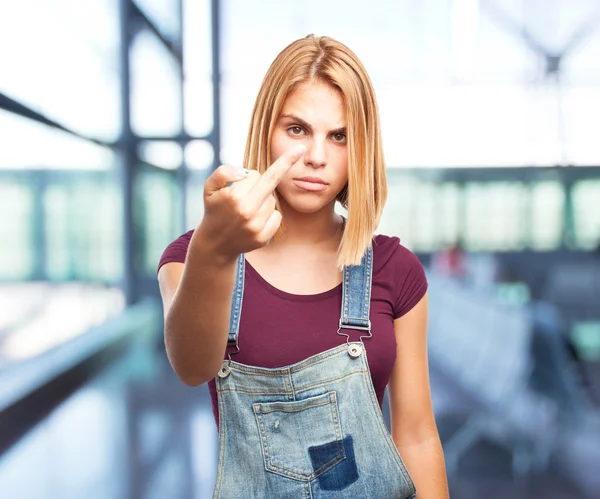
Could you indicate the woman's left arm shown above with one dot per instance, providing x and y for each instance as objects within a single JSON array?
[{"x": 413, "y": 424}]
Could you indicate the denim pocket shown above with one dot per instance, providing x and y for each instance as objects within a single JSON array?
[{"x": 289, "y": 429}]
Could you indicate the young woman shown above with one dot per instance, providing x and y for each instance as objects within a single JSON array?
[{"x": 297, "y": 317}]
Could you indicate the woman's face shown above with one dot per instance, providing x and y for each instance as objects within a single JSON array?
[{"x": 313, "y": 115}]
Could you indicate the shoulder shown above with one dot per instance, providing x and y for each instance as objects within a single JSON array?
[
  {"x": 389, "y": 252},
  {"x": 177, "y": 250},
  {"x": 399, "y": 270}
]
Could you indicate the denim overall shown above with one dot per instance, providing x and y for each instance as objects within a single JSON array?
[{"x": 312, "y": 429}]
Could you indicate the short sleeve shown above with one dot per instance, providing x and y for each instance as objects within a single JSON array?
[
  {"x": 410, "y": 281},
  {"x": 177, "y": 250}
]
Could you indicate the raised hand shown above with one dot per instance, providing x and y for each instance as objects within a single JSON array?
[{"x": 239, "y": 208}]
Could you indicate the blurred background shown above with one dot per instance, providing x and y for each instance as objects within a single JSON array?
[{"x": 112, "y": 114}]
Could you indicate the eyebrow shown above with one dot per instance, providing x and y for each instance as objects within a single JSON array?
[{"x": 307, "y": 125}]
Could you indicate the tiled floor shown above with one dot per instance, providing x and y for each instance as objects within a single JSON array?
[{"x": 137, "y": 432}]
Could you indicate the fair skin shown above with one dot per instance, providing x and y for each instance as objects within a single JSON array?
[{"x": 314, "y": 117}]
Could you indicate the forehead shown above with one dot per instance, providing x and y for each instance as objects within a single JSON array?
[{"x": 316, "y": 101}]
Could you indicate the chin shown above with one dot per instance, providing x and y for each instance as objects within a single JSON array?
[
  {"x": 306, "y": 204},
  {"x": 306, "y": 207}
]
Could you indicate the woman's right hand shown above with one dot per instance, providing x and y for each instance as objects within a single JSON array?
[{"x": 239, "y": 209}]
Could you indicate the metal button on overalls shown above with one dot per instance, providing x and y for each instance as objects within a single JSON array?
[
  {"x": 224, "y": 371},
  {"x": 354, "y": 350}
]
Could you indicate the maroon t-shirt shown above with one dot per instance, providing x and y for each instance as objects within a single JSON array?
[{"x": 279, "y": 328}]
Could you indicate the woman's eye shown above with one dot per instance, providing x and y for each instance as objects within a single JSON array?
[
  {"x": 339, "y": 137},
  {"x": 295, "y": 130}
]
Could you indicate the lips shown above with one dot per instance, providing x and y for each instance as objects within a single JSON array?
[
  {"x": 312, "y": 180},
  {"x": 311, "y": 184}
]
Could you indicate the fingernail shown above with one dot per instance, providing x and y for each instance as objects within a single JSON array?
[{"x": 241, "y": 172}]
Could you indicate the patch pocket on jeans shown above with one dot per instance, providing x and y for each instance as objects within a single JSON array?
[{"x": 289, "y": 429}]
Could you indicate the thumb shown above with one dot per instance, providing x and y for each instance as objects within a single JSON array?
[{"x": 222, "y": 177}]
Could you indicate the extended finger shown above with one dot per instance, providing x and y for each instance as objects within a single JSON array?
[
  {"x": 271, "y": 178},
  {"x": 267, "y": 208}
]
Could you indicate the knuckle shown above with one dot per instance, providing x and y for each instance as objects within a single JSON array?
[
  {"x": 255, "y": 227},
  {"x": 245, "y": 214}
]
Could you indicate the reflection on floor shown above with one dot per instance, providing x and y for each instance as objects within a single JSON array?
[
  {"x": 137, "y": 432},
  {"x": 37, "y": 316}
]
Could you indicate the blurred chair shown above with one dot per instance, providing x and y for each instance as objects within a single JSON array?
[
  {"x": 574, "y": 287},
  {"x": 484, "y": 347}
]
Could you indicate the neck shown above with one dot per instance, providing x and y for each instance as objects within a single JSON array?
[{"x": 310, "y": 228}]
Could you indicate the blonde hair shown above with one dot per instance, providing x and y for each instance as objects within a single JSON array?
[{"x": 327, "y": 60}]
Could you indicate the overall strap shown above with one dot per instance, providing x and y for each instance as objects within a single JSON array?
[
  {"x": 356, "y": 294},
  {"x": 236, "y": 303},
  {"x": 356, "y": 297}
]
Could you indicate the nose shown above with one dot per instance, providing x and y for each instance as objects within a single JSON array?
[{"x": 316, "y": 153}]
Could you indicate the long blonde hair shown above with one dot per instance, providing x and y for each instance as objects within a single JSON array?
[{"x": 324, "y": 59}]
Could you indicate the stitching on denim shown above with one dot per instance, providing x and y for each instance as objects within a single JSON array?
[
  {"x": 345, "y": 296},
  {"x": 331, "y": 463},
  {"x": 268, "y": 459},
  {"x": 301, "y": 405},
  {"x": 300, "y": 409},
  {"x": 296, "y": 390},
  {"x": 329, "y": 381},
  {"x": 250, "y": 392},
  {"x": 325, "y": 467},
  {"x": 368, "y": 281},
  {"x": 387, "y": 437},
  {"x": 264, "y": 443},
  {"x": 238, "y": 294},
  {"x": 335, "y": 416},
  {"x": 291, "y": 382},
  {"x": 309, "y": 491},
  {"x": 256, "y": 371},
  {"x": 362, "y": 274},
  {"x": 222, "y": 431},
  {"x": 242, "y": 368}
]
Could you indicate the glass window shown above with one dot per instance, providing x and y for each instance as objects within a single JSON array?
[
  {"x": 157, "y": 196},
  {"x": 398, "y": 215},
  {"x": 448, "y": 213},
  {"x": 197, "y": 57},
  {"x": 195, "y": 199},
  {"x": 161, "y": 153},
  {"x": 425, "y": 217},
  {"x": 547, "y": 204},
  {"x": 28, "y": 144},
  {"x": 581, "y": 108},
  {"x": 494, "y": 216},
  {"x": 199, "y": 155},
  {"x": 61, "y": 59},
  {"x": 163, "y": 14},
  {"x": 582, "y": 63},
  {"x": 155, "y": 88},
  {"x": 464, "y": 89},
  {"x": 586, "y": 207},
  {"x": 17, "y": 258},
  {"x": 83, "y": 217}
]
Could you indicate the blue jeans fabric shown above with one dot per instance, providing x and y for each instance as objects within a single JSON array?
[{"x": 312, "y": 429}]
